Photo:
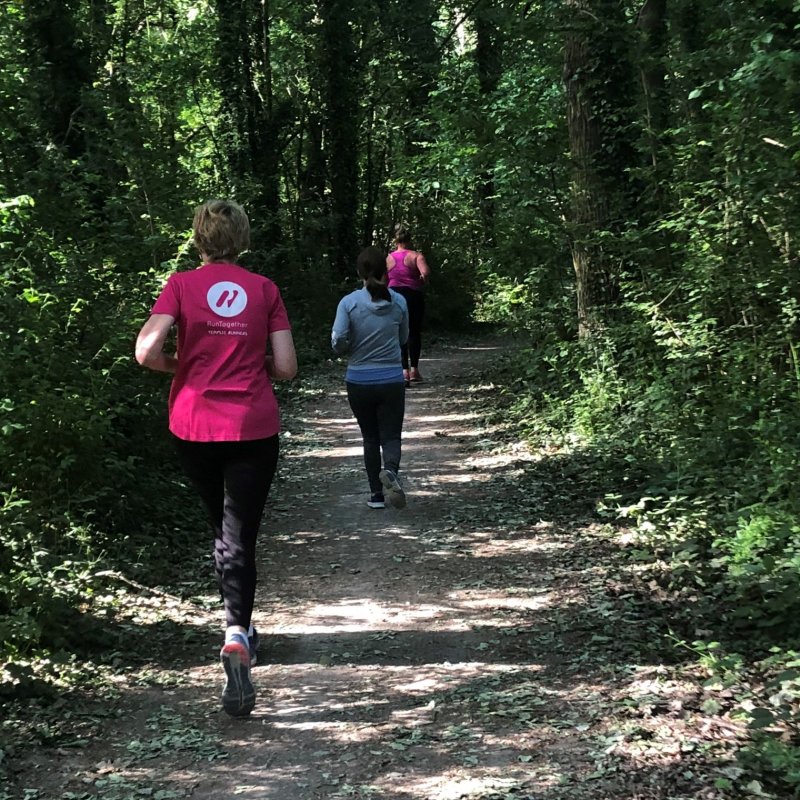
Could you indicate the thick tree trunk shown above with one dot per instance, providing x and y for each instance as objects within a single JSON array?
[
  {"x": 251, "y": 122},
  {"x": 600, "y": 84},
  {"x": 342, "y": 116},
  {"x": 589, "y": 208}
]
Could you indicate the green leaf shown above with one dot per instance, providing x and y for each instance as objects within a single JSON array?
[{"x": 761, "y": 718}]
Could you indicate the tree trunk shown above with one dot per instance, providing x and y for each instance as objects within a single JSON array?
[
  {"x": 266, "y": 124},
  {"x": 342, "y": 117},
  {"x": 653, "y": 47},
  {"x": 420, "y": 59},
  {"x": 63, "y": 64},
  {"x": 488, "y": 58},
  {"x": 233, "y": 71},
  {"x": 589, "y": 208},
  {"x": 251, "y": 120},
  {"x": 372, "y": 181},
  {"x": 599, "y": 83}
]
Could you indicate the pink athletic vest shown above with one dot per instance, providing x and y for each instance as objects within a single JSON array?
[{"x": 402, "y": 276}]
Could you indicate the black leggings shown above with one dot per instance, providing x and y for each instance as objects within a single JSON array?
[
  {"x": 415, "y": 300},
  {"x": 379, "y": 410},
  {"x": 233, "y": 480}
]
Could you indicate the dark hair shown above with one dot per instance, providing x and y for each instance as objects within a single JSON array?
[
  {"x": 401, "y": 234},
  {"x": 371, "y": 265},
  {"x": 221, "y": 229}
]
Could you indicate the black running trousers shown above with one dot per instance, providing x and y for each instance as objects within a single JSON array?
[
  {"x": 379, "y": 409},
  {"x": 415, "y": 300},
  {"x": 233, "y": 480}
]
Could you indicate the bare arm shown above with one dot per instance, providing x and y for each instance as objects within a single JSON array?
[
  {"x": 390, "y": 263},
  {"x": 150, "y": 344},
  {"x": 282, "y": 362},
  {"x": 422, "y": 266}
]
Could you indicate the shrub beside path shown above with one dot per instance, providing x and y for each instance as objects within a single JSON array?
[{"x": 486, "y": 642}]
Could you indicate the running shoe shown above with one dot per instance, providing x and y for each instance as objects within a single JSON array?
[
  {"x": 394, "y": 491},
  {"x": 414, "y": 376},
  {"x": 377, "y": 501},
  {"x": 239, "y": 694}
]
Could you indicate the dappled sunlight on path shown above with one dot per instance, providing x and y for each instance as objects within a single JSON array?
[
  {"x": 456, "y": 648},
  {"x": 481, "y": 644}
]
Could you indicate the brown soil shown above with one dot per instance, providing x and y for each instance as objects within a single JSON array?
[{"x": 481, "y": 643}]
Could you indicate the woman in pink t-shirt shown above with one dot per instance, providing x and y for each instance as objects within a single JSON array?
[
  {"x": 408, "y": 276},
  {"x": 234, "y": 338}
]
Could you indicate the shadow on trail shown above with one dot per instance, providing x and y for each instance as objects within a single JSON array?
[
  {"x": 517, "y": 543},
  {"x": 491, "y": 641},
  {"x": 492, "y": 622},
  {"x": 507, "y": 556}
]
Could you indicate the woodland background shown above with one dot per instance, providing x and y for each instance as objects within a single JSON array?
[{"x": 614, "y": 182}]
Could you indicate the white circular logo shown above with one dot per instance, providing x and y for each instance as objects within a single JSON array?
[{"x": 227, "y": 299}]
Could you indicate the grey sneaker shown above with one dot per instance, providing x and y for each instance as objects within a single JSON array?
[
  {"x": 239, "y": 694},
  {"x": 394, "y": 491}
]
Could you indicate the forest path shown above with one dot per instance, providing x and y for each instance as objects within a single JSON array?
[{"x": 483, "y": 643}]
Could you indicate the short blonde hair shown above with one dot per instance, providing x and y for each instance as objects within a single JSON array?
[{"x": 221, "y": 230}]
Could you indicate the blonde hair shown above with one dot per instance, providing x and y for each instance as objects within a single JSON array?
[
  {"x": 402, "y": 235},
  {"x": 221, "y": 230}
]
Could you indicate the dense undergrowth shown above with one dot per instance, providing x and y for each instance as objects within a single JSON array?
[
  {"x": 91, "y": 494},
  {"x": 705, "y": 450},
  {"x": 688, "y": 389},
  {"x": 89, "y": 485}
]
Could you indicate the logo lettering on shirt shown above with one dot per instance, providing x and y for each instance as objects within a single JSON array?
[{"x": 227, "y": 299}]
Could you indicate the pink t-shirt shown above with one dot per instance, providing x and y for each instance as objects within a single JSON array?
[{"x": 221, "y": 391}]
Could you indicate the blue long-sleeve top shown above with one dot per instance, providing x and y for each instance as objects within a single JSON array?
[{"x": 370, "y": 332}]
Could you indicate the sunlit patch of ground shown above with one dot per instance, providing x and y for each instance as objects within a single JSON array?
[{"x": 467, "y": 647}]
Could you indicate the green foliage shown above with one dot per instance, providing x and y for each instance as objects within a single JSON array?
[
  {"x": 778, "y": 760},
  {"x": 80, "y": 428},
  {"x": 694, "y": 373},
  {"x": 689, "y": 390},
  {"x": 689, "y": 386}
]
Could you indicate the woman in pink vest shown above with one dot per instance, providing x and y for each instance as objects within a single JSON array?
[
  {"x": 408, "y": 275},
  {"x": 222, "y": 410}
]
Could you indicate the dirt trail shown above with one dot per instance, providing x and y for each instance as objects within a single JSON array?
[
  {"x": 478, "y": 644},
  {"x": 377, "y": 613}
]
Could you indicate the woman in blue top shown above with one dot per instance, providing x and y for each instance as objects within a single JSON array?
[{"x": 371, "y": 324}]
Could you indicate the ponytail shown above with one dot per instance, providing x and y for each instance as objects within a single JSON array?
[
  {"x": 378, "y": 290},
  {"x": 371, "y": 265}
]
